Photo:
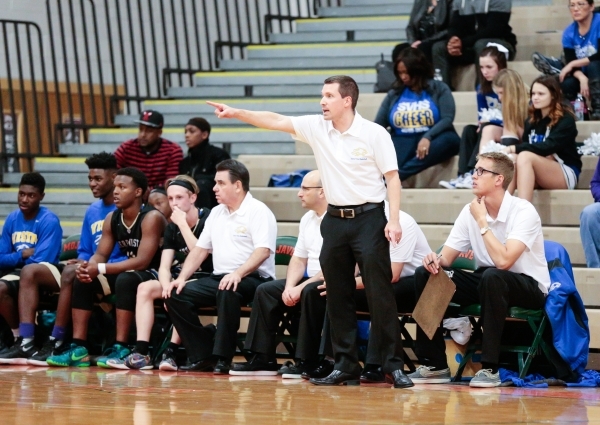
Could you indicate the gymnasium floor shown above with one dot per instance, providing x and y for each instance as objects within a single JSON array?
[{"x": 36, "y": 396}]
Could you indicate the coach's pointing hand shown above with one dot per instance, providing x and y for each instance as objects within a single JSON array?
[{"x": 222, "y": 110}]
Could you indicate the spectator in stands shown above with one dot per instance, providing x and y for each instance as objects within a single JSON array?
[
  {"x": 405, "y": 258},
  {"x": 201, "y": 161},
  {"x": 30, "y": 235},
  {"x": 473, "y": 25},
  {"x": 419, "y": 112},
  {"x": 580, "y": 41},
  {"x": 159, "y": 200},
  {"x": 489, "y": 111},
  {"x": 39, "y": 276},
  {"x": 156, "y": 157},
  {"x": 547, "y": 158},
  {"x": 181, "y": 235},
  {"x": 138, "y": 232},
  {"x": 427, "y": 24},
  {"x": 590, "y": 224},
  {"x": 505, "y": 234},
  {"x": 241, "y": 232},
  {"x": 273, "y": 299}
]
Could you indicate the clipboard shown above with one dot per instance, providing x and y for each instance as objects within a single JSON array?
[{"x": 433, "y": 302}]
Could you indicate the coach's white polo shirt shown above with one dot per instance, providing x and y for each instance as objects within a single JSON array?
[
  {"x": 413, "y": 246},
  {"x": 517, "y": 219},
  {"x": 310, "y": 242},
  {"x": 352, "y": 163},
  {"x": 232, "y": 238}
]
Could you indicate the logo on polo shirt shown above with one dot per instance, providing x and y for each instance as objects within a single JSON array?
[
  {"x": 240, "y": 231},
  {"x": 359, "y": 154}
]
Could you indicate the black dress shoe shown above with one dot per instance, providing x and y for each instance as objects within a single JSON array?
[
  {"x": 323, "y": 370},
  {"x": 222, "y": 367},
  {"x": 337, "y": 377},
  {"x": 399, "y": 379},
  {"x": 206, "y": 365},
  {"x": 372, "y": 376}
]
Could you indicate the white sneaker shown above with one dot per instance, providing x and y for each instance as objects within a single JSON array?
[
  {"x": 452, "y": 184},
  {"x": 460, "y": 329},
  {"x": 466, "y": 183},
  {"x": 485, "y": 379}
]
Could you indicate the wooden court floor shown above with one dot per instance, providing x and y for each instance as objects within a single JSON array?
[{"x": 36, "y": 396}]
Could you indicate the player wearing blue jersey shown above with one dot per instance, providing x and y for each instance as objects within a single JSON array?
[{"x": 31, "y": 235}]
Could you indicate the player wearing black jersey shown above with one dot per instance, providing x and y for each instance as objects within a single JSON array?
[
  {"x": 181, "y": 235},
  {"x": 138, "y": 232}
]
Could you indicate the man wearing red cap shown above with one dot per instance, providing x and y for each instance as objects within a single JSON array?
[{"x": 156, "y": 157}]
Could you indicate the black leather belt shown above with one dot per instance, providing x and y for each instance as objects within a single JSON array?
[{"x": 351, "y": 212}]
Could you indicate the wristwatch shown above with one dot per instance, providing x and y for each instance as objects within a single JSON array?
[{"x": 484, "y": 230}]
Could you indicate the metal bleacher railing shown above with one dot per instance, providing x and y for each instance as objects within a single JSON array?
[{"x": 93, "y": 59}]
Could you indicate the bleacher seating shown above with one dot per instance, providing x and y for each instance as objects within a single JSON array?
[{"x": 287, "y": 77}]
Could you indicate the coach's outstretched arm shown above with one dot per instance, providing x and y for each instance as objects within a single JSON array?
[{"x": 261, "y": 119}]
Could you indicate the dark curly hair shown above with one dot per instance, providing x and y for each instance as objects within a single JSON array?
[
  {"x": 558, "y": 107},
  {"x": 102, "y": 161},
  {"x": 34, "y": 179}
]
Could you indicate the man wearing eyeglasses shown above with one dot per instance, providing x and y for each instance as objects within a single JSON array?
[{"x": 505, "y": 234}]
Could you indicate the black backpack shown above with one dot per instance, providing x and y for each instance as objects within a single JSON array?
[{"x": 385, "y": 76}]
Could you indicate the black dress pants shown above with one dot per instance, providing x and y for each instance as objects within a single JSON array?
[
  {"x": 205, "y": 292},
  {"x": 347, "y": 241},
  {"x": 496, "y": 290},
  {"x": 268, "y": 309},
  {"x": 404, "y": 293}
]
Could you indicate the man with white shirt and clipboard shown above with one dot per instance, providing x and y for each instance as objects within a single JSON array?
[
  {"x": 505, "y": 234},
  {"x": 353, "y": 155}
]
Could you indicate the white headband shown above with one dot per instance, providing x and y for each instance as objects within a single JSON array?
[{"x": 500, "y": 48}]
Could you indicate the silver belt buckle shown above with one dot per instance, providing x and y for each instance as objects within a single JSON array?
[{"x": 347, "y": 213}]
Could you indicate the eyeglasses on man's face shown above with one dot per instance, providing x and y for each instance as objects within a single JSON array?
[
  {"x": 481, "y": 170},
  {"x": 578, "y": 5}
]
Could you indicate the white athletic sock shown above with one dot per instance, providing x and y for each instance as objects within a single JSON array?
[
  {"x": 16, "y": 333},
  {"x": 26, "y": 341}
]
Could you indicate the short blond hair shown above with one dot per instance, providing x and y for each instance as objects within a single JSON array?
[
  {"x": 503, "y": 165},
  {"x": 187, "y": 179}
]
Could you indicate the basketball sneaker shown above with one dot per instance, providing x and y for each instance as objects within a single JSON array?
[
  {"x": 117, "y": 351},
  {"x": 76, "y": 356},
  {"x": 18, "y": 353}
]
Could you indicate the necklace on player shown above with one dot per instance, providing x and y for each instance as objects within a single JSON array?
[{"x": 132, "y": 224}]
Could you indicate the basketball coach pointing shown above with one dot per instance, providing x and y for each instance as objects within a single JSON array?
[{"x": 353, "y": 156}]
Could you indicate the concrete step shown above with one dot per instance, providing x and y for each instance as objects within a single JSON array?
[
  {"x": 320, "y": 50},
  {"x": 309, "y": 105},
  {"x": 60, "y": 165},
  {"x": 66, "y": 212},
  {"x": 442, "y": 206},
  {"x": 54, "y": 196},
  {"x": 281, "y": 78},
  {"x": 361, "y": 10},
  {"x": 398, "y": 35},
  {"x": 281, "y": 147},
  {"x": 53, "y": 179},
  {"x": 546, "y": 43},
  {"x": 370, "y": 3},
  {"x": 257, "y": 91},
  {"x": 308, "y": 63},
  {"x": 365, "y": 23},
  {"x": 535, "y": 18},
  {"x": 261, "y": 167}
]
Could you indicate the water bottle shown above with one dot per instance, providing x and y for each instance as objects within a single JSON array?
[
  {"x": 438, "y": 75},
  {"x": 579, "y": 108}
]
